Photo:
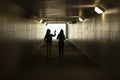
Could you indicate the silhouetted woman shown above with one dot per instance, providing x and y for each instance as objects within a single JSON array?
[
  {"x": 48, "y": 41},
  {"x": 61, "y": 38}
]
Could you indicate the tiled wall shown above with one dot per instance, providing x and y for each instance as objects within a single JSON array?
[{"x": 99, "y": 38}]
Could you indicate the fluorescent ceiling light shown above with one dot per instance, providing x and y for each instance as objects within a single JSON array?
[
  {"x": 68, "y": 23},
  {"x": 99, "y": 9},
  {"x": 80, "y": 19},
  {"x": 45, "y": 23},
  {"x": 41, "y": 20}
]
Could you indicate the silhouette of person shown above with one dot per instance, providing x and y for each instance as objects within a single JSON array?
[
  {"x": 48, "y": 41},
  {"x": 61, "y": 38}
]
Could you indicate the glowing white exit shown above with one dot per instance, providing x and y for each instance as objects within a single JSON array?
[{"x": 56, "y": 27}]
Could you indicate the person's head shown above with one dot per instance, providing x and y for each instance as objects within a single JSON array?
[
  {"x": 61, "y": 31},
  {"x": 48, "y": 31}
]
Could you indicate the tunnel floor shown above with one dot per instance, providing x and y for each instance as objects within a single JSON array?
[{"x": 73, "y": 66}]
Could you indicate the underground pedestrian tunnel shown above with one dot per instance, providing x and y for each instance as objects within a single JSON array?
[{"x": 92, "y": 45}]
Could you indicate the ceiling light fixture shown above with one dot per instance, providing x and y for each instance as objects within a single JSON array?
[
  {"x": 68, "y": 23},
  {"x": 99, "y": 9},
  {"x": 45, "y": 23},
  {"x": 41, "y": 20},
  {"x": 81, "y": 19}
]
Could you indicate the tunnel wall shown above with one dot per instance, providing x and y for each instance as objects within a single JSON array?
[
  {"x": 20, "y": 35},
  {"x": 99, "y": 39}
]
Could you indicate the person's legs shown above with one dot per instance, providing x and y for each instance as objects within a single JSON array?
[
  {"x": 50, "y": 49},
  {"x": 59, "y": 51},
  {"x": 62, "y": 50},
  {"x": 47, "y": 50}
]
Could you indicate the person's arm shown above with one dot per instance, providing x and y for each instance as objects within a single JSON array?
[
  {"x": 64, "y": 37},
  {"x": 54, "y": 33}
]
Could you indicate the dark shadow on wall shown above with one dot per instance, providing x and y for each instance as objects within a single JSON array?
[
  {"x": 13, "y": 54},
  {"x": 105, "y": 54}
]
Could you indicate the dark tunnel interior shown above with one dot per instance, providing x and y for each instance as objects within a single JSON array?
[{"x": 92, "y": 46}]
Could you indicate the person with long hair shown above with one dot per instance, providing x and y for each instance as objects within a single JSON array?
[
  {"x": 48, "y": 42},
  {"x": 61, "y": 38}
]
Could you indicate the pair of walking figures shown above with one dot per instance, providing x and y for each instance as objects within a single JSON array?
[{"x": 48, "y": 42}]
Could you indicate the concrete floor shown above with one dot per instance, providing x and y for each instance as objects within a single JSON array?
[{"x": 74, "y": 66}]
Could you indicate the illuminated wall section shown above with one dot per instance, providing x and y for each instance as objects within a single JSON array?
[
  {"x": 100, "y": 28},
  {"x": 19, "y": 38},
  {"x": 99, "y": 38},
  {"x": 16, "y": 28}
]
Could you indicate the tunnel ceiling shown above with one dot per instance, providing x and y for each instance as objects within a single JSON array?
[{"x": 63, "y": 10}]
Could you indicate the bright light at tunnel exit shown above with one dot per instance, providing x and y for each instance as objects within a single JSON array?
[{"x": 56, "y": 27}]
